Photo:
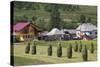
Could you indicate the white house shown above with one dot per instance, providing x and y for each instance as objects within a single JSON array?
[
  {"x": 55, "y": 31},
  {"x": 55, "y": 34},
  {"x": 86, "y": 31}
]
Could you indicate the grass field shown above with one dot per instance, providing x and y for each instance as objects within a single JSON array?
[{"x": 20, "y": 58}]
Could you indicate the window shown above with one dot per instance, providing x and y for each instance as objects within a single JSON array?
[
  {"x": 95, "y": 32},
  {"x": 90, "y": 32}
]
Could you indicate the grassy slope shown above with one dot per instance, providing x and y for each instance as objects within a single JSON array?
[{"x": 42, "y": 55}]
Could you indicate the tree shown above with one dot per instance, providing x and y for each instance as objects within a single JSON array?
[
  {"x": 27, "y": 48},
  {"x": 59, "y": 50},
  {"x": 69, "y": 51},
  {"x": 34, "y": 18},
  {"x": 84, "y": 53},
  {"x": 91, "y": 48},
  {"x": 89, "y": 20},
  {"x": 55, "y": 18},
  {"x": 50, "y": 50},
  {"x": 48, "y": 7},
  {"x": 82, "y": 18},
  {"x": 33, "y": 48},
  {"x": 41, "y": 23}
]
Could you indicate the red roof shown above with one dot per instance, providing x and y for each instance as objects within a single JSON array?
[{"x": 19, "y": 26}]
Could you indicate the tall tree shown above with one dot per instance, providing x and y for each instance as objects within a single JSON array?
[
  {"x": 41, "y": 23},
  {"x": 34, "y": 18},
  {"x": 55, "y": 17},
  {"x": 89, "y": 19},
  {"x": 82, "y": 18}
]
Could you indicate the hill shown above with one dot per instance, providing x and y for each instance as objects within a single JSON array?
[{"x": 39, "y": 13}]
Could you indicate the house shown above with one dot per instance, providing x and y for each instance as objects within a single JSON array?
[
  {"x": 55, "y": 34},
  {"x": 70, "y": 32},
  {"x": 55, "y": 31},
  {"x": 86, "y": 31},
  {"x": 42, "y": 35},
  {"x": 25, "y": 31}
]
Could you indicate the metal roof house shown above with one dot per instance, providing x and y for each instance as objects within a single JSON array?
[{"x": 86, "y": 31}]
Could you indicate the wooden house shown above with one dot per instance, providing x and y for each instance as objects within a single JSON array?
[{"x": 25, "y": 31}]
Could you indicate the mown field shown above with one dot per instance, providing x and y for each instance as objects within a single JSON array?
[{"x": 20, "y": 58}]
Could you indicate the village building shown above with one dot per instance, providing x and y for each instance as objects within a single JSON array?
[
  {"x": 42, "y": 35},
  {"x": 55, "y": 34},
  {"x": 25, "y": 31},
  {"x": 71, "y": 33},
  {"x": 86, "y": 31}
]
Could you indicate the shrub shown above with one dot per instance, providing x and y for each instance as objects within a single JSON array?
[
  {"x": 59, "y": 50},
  {"x": 27, "y": 48},
  {"x": 91, "y": 48},
  {"x": 33, "y": 48},
  {"x": 69, "y": 51},
  {"x": 50, "y": 50},
  {"x": 84, "y": 53}
]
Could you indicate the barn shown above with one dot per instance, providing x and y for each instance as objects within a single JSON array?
[{"x": 25, "y": 31}]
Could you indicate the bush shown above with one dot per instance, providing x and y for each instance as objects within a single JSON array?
[
  {"x": 76, "y": 47},
  {"x": 27, "y": 48},
  {"x": 69, "y": 51},
  {"x": 91, "y": 48},
  {"x": 33, "y": 48},
  {"x": 84, "y": 53},
  {"x": 50, "y": 50},
  {"x": 59, "y": 50}
]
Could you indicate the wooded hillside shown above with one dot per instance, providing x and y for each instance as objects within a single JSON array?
[{"x": 48, "y": 16}]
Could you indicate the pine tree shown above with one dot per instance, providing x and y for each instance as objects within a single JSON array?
[
  {"x": 85, "y": 53},
  {"x": 27, "y": 48},
  {"x": 33, "y": 48},
  {"x": 92, "y": 48},
  {"x": 59, "y": 51},
  {"x": 69, "y": 51},
  {"x": 50, "y": 50}
]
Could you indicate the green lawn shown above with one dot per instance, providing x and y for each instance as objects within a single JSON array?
[
  {"x": 18, "y": 60},
  {"x": 42, "y": 58}
]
